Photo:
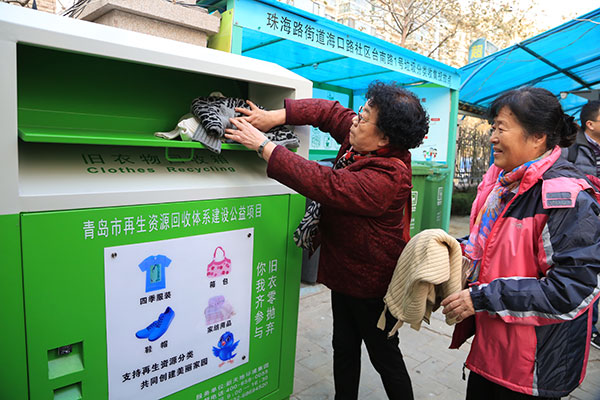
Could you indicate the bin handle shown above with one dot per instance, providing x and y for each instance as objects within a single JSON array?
[{"x": 178, "y": 159}]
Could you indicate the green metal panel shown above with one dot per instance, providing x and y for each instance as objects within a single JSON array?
[
  {"x": 236, "y": 39},
  {"x": 290, "y": 312},
  {"x": 105, "y": 101},
  {"x": 452, "y": 128},
  {"x": 322, "y": 154},
  {"x": 420, "y": 172},
  {"x": 222, "y": 40},
  {"x": 333, "y": 88},
  {"x": 81, "y": 136},
  {"x": 434, "y": 200},
  {"x": 13, "y": 374},
  {"x": 64, "y": 266}
]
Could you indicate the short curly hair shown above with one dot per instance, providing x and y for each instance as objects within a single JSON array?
[{"x": 400, "y": 115}]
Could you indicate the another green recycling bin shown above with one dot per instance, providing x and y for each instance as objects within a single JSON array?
[
  {"x": 420, "y": 173},
  {"x": 433, "y": 200}
]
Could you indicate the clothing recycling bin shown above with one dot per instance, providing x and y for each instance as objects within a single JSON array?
[
  {"x": 434, "y": 198},
  {"x": 136, "y": 267},
  {"x": 420, "y": 172}
]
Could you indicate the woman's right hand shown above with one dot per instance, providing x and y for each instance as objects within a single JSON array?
[{"x": 261, "y": 119}]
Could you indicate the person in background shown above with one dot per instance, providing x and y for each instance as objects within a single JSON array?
[
  {"x": 360, "y": 215},
  {"x": 534, "y": 245},
  {"x": 585, "y": 154}
]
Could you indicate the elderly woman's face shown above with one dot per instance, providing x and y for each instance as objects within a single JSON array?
[
  {"x": 364, "y": 134},
  {"x": 512, "y": 147}
]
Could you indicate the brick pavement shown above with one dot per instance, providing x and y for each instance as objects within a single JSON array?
[{"x": 435, "y": 371}]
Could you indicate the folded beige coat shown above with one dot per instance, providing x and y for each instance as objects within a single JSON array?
[{"x": 428, "y": 270}]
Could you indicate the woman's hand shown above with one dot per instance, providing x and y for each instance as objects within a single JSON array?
[
  {"x": 245, "y": 133},
  {"x": 262, "y": 119},
  {"x": 458, "y": 306}
]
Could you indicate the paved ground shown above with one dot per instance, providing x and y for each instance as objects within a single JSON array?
[{"x": 435, "y": 371}]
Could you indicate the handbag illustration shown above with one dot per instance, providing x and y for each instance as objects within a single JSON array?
[
  {"x": 218, "y": 310},
  {"x": 219, "y": 267}
]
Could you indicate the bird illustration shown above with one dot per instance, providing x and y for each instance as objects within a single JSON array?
[{"x": 225, "y": 348}]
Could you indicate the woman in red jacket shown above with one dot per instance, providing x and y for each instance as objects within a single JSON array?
[
  {"x": 359, "y": 215},
  {"x": 535, "y": 251}
]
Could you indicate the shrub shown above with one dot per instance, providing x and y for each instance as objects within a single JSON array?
[{"x": 462, "y": 201}]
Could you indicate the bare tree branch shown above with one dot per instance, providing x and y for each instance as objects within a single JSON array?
[
  {"x": 443, "y": 41},
  {"x": 438, "y": 22},
  {"x": 23, "y": 3}
]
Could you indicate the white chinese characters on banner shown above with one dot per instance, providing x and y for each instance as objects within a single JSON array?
[
  {"x": 177, "y": 312},
  {"x": 129, "y": 225},
  {"x": 239, "y": 387}
]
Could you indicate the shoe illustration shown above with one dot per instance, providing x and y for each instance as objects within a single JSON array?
[
  {"x": 225, "y": 348},
  {"x": 144, "y": 333},
  {"x": 158, "y": 328}
]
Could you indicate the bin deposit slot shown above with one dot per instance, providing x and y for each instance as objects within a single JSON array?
[
  {"x": 71, "y": 392},
  {"x": 65, "y": 360},
  {"x": 124, "y": 105}
]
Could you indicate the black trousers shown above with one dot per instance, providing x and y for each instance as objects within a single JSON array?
[
  {"x": 355, "y": 321},
  {"x": 480, "y": 388}
]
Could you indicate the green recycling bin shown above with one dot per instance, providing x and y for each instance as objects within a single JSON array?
[
  {"x": 433, "y": 201},
  {"x": 420, "y": 173},
  {"x": 126, "y": 274}
]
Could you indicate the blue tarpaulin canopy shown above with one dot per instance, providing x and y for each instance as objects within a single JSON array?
[
  {"x": 324, "y": 51},
  {"x": 564, "y": 60}
]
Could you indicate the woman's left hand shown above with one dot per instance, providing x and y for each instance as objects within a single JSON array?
[
  {"x": 458, "y": 306},
  {"x": 245, "y": 134}
]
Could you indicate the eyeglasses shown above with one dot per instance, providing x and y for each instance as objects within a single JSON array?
[{"x": 360, "y": 117}]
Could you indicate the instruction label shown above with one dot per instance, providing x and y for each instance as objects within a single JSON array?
[{"x": 178, "y": 312}]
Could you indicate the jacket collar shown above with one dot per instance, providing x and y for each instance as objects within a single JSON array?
[
  {"x": 581, "y": 139},
  {"x": 395, "y": 152},
  {"x": 533, "y": 174},
  {"x": 531, "y": 177},
  {"x": 536, "y": 170}
]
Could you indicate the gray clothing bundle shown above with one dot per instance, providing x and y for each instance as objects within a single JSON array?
[{"x": 214, "y": 113}]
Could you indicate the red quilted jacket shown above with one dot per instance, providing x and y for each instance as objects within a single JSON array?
[{"x": 362, "y": 205}]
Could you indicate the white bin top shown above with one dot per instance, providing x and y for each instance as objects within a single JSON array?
[{"x": 43, "y": 176}]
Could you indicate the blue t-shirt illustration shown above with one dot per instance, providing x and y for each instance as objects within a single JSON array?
[{"x": 154, "y": 266}]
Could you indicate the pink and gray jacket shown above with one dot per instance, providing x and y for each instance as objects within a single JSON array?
[{"x": 540, "y": 272}]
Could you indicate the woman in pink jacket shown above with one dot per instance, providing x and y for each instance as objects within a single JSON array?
[
  {"x": 362, "y": 211},
  {"x": 534, "y": 248}
]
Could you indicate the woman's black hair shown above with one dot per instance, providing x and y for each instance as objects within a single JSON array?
[
  {"x": 400, "y": 115},
  {"x": 539, "y": 113}
]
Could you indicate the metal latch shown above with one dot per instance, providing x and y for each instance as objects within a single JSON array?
[{"x": 64, "y": 350}]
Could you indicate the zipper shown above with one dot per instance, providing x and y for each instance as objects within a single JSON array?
[{"x": 494, "y": 228}]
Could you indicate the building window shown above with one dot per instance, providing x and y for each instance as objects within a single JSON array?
[{"x": 316, "y": 9}]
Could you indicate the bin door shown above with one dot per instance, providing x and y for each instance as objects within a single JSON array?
[{"x": 178, "y": 300}]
